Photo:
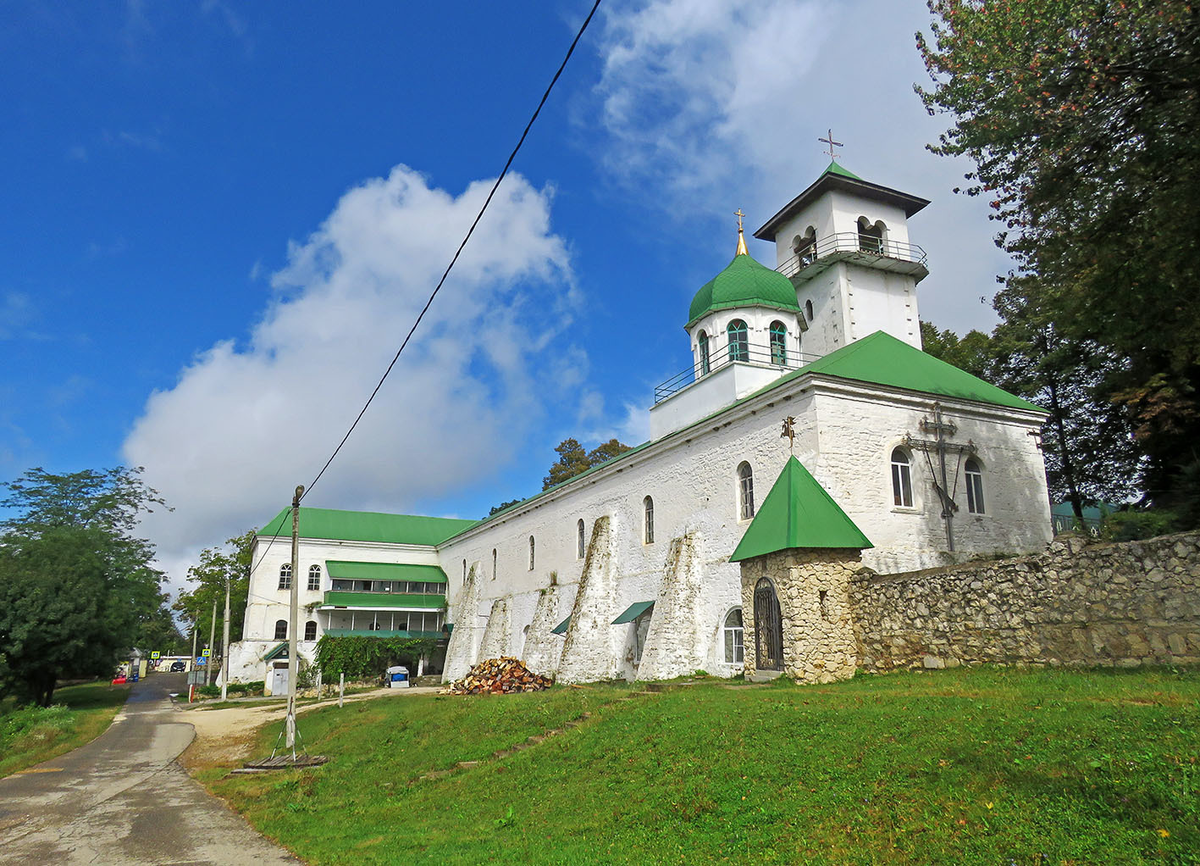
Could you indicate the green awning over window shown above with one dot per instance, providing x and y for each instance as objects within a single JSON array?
[
  {"x": 384, "y": 571},
  {"x": 561, "y": 628},
  {"x": 633, "y": 612}
]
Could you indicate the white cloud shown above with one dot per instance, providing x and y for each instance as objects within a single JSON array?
[
  {"x": 244, "y": 424},
  {"x": 716, "y": 104}
]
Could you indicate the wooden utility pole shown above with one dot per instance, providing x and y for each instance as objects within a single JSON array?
[
  {"x": 225, "y": 646},
  {"x": 293, "y": 624}
]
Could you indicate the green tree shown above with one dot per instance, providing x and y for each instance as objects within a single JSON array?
[
  {"x": 76, "y": 587},
  {"x": 573, "y": 459},
  {"x": 502, "y": 506},
  {"x": 972, "y": 352},
  {"x": 1083, "y": 120},
  {"x": 228, "y": 562}
]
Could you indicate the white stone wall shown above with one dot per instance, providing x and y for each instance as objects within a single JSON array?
[{"x": 692, "y": 477}]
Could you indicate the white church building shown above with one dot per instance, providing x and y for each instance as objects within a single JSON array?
[{"x": 624, "y": 570}]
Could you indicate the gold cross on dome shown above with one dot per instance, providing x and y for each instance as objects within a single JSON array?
[
  {"x": 832, "y": 144},
  {"x": 738, "y": 213}
]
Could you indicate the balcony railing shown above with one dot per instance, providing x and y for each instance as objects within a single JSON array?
[
  {"x": 757, "y": 355},
  {"x": 383, "y": 600},
  {"x": 852, "y": 244}
]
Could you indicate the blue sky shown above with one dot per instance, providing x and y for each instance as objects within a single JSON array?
[{"x": 220, "y": 219}]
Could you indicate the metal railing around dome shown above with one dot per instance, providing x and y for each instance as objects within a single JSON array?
[
  {"x": 852, "y": 244},
  {"x": 747, "y": 353}
]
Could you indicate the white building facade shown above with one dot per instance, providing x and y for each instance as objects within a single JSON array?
[{"x": 624, "y": 571}]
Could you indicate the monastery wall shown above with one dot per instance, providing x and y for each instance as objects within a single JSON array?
[
  {"x": 1079, "y": 603},
  {"x": 692, "y": 477}
]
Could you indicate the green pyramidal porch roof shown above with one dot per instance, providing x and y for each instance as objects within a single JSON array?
[
  {"x": 743, "y": 283},
  {"x": 366, "y": 526},
  {"x": 798, "y": 513},
  {"x": 881, "y": 359}
]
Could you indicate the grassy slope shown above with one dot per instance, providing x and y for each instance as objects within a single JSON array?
[
  {"x": 980, "y": 766},
  {"x": 31, "y": 735}
]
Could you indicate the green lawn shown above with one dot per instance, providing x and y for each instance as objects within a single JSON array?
[
  {"x": 31, "y": 735},
  {"x": 963, "y": 766}
]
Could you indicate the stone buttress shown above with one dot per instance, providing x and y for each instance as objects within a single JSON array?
[
  {"x": 677, "y": 642},
  {"x": 590, "y": 652}
]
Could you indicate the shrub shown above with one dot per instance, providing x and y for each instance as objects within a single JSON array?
[
  {"x": 366, "y": 657},
  {"x": 1136, "y": 525},
  {"x": 208, "y": 691}
]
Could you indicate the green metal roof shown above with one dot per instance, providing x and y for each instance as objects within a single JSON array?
[
  {"x": 561, "y": 628},
  {"x": 384, "y": 571},
  {"x": 391, "y": 600},
  {"x": 798, "y": 512},
  {"x": 743, "y": 283},
  {"x": 836, "y": 167},
  {"x": 881, "y": 359},
  {"x": 366, "y": 526},
  {"x": 277, "y": 651},
  {"x": 633, "y": 612}
]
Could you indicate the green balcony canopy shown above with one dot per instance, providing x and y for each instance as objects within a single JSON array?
[
  {"x": 378, "y": 600},
  {"x": 633, "y": 612},
  {"x": 561, "y": 628},
  {"x": 345, "y": 569}
]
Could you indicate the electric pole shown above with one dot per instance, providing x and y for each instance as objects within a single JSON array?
[
  {"x": 225, "y": 646},
  {"x": 212, "y": 636},
  {"x": 293, "y": 624}
]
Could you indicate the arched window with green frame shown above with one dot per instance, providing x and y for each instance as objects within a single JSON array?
[
  {"x": 702, "y": 342},
  {"x": 739, "y": 342},
  {"x": 779, "y": 343}
]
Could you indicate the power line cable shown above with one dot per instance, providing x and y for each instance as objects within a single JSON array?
[{"x": 512, "y": 156}]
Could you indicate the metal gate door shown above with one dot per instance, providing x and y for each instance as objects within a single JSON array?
[{"x": 768, "y": 628}]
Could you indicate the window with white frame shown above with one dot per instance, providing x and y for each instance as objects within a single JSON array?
[
  {"x": 580, "y": 540},
  {"x": 314, "y": 577},
  {"x": 974, "y": 486},
  {"x": 745, "y": 491},
  {"x": 735, "y": 650},
  {"x": 647, "y": 520},
  {"x": 901, "y": 479},
  {"x": 285, "y": 576}
]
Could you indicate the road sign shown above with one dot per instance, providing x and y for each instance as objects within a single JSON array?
[
  {"x": 155, "y": 654},
  {"x": 206, "y": 653},
  {"x": 200, "y": 660}
]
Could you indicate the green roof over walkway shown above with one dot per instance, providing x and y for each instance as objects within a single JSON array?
[{"x": 798, "y": 513}]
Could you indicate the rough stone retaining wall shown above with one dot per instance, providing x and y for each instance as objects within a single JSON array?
[{"x": 1079, "y": 603}]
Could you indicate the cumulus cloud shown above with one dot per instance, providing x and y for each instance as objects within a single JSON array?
[
  {"x": 245, "y": 423},
  {"x": 718, "y": 104}
]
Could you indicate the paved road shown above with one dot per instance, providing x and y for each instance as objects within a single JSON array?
[{"x": 122, "y": 799}]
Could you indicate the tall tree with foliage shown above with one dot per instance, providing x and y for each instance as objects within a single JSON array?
[
  {"x": 76, "y": 587},
  {"x": 1083, "y": 120},
  {"x": 971, "y": 352},
  {"x": 230, "y": 563},
  {"x": 573, "y": 459}
]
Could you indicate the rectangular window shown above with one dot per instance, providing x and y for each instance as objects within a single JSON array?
[{"x": 314, "y": 580}]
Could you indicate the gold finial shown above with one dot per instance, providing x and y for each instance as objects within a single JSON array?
[{"x": 741, "y": 247}]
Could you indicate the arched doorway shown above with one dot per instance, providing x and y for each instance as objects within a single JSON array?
[{"x": 768, "y": 628}]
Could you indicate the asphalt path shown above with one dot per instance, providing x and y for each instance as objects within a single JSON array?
[{"x": 123, "y": 798}]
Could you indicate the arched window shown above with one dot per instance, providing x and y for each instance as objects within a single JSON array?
[
  {"x": 310, "y": 630},
  {"x": 281, "y": 629},
  {"x": 580, "y": 541},
  {"x": 808, "y": 310},
  {"x": 493, "y": 563},
  {"x": 745, "y": 491},
  {"x": 805, "y": 247},
  {"x": 870, "y": 237},
  {"x": 778, "y": 343},
  {"x": 314, "y": 577},
  {"x": 531, "y": 553},
  {"x": 974, "y": 487},
  {"x": 702, "y": 342},
  {"x": 735, "y": 652},
  {"x": 901, "y": 480},
  {"x": 285, "y": 576},
  {"x": 739, "y": 341},
  {"x": 648, "y": 520}
]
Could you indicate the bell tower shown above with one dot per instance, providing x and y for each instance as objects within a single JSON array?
[{"x": 844, "y": 245}]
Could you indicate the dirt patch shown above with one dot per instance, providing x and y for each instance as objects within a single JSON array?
[{"x": 226, "y": 737}]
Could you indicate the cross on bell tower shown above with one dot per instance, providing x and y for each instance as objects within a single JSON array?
[{"x": 832, "y": 144}]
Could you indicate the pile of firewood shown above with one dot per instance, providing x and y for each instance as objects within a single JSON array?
[{"x": 500, "y": 676}]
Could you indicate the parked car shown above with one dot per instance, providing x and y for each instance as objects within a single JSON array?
[{"x": 178, "y": 667}]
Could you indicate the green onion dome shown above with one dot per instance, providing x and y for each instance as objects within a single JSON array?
[{"x": 743, "y": 283}]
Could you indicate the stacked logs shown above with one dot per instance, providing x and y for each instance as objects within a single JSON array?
[{"x": 500, "y": 676}]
